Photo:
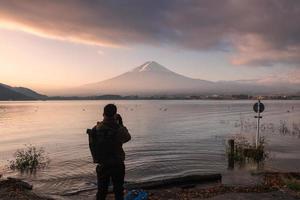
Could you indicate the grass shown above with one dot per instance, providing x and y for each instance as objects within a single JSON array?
[
  {"x": 293, "y": 185},
  {"x": 283, "y": 128},
  {"x": 245, "y": 151},
  {"x": 29, "y": 159}
]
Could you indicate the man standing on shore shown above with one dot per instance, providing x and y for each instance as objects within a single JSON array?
[{"x": 106, "y": 140}]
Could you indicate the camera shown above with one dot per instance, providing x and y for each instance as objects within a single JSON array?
[
  {"x": 89, "y": 131},
  {"x": 119, "y": 119}
]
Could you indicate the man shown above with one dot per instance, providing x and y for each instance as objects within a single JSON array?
[{"x": 106, "y": 140}]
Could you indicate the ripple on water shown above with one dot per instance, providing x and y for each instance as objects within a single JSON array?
[{"x": 186, "y": 138}]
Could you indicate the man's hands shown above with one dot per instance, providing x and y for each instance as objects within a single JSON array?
[{"x": 123, "y": 134}]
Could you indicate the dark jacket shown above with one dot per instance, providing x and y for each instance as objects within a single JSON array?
[{"x": 108, "y": 138}]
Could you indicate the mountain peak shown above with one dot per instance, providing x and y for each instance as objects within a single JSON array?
[{"x": 151, "y": 66}]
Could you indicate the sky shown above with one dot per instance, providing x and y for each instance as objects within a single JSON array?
[{"x": 52, "y": 44}]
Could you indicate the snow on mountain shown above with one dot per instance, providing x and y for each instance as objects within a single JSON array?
[{"x": 151, "y": 66}]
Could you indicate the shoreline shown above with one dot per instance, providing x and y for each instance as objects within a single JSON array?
[
  {"x": 146, "y": 99},
  {"x": 273, "y": 183}
]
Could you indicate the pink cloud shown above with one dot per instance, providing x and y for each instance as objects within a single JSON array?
[{"x": 260, "y": 32}]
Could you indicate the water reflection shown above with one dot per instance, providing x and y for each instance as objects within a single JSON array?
[{"x": 170, "y": 138}]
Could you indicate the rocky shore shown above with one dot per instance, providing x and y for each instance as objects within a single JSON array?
[
  {"x": 15, "y": 189},
  {"x": 274, "y": 185}
]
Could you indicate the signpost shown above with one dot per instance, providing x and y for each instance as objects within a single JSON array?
[{"x": 258, "y": 108}]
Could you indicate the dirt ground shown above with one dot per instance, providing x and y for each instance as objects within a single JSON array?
[{"x": 273, "y": 186}]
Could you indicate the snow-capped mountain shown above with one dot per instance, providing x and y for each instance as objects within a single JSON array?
[
  {"x": 149, "y": 78},
  {"x": 152, "y": 78}
]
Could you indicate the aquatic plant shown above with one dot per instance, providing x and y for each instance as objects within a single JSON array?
[
  {"x": 283, "y": 128},
  {"x": 245, "y": 124},
  {"x": 245, "y": 151},
  {"x": 293, "y": 185},
  {"x": 29, "y": 159},
  {"x": 296, "y": 129}
]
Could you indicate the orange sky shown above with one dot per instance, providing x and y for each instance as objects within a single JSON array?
[{"x": 47, "y": 46}]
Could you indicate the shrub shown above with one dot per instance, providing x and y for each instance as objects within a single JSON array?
[
  {"x": 283, "y": 128},
  {"x": 245, "y": 151},
  {"x": 29, "y": 159},
  {"x": 293, "y": 185}
]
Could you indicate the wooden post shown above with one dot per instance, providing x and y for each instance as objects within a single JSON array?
[
  {"x": 231, "y": 145},
  {"x": 231, "y": 154}
]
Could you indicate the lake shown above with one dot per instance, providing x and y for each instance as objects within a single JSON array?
[{"x": 169, "y": 137}]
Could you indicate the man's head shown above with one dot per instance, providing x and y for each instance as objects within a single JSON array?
[{"x": 110, "y": 110}]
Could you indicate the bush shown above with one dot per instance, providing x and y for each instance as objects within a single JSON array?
[
  {"x": 293, "y": 185},
  {"x": 29, "y": 159},
  {"x": 244, "y": 150}
]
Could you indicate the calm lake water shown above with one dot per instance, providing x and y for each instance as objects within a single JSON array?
[{"x": 169, "y": 138}]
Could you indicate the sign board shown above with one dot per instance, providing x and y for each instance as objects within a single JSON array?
[
  {"x": 258, "y": 108},
  {"x": 261, "y": 107}
]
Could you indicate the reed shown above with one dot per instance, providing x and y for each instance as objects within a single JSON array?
[
  {"x": 244, "y": 151},
  {"x": 29, "y": 159}
]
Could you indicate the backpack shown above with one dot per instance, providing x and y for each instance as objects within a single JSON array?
[{"x": 102, "y": 144}]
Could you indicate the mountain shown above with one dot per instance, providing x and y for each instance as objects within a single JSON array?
[
  {"x": 18, "y": 93},
  {"x": 149, "y": 78},
  {"x": 152, "y": 78},
  {"x": 8, "y": 94},
  {"x": 29, "y": 93}
]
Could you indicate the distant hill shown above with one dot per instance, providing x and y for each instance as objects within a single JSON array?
[
  {"x": 18, "y": 93},
  {"x": 28, "y": 92}
]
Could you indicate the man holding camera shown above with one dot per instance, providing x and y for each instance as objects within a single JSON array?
[{"x": 106, "y": 140}]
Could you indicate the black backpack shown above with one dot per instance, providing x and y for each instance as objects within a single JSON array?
[{"x": 102, "y": 144}]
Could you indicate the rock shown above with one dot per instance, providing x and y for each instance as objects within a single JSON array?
[
  {"x": 13, "y": 189},
  {"x": 20, "y": 184}
]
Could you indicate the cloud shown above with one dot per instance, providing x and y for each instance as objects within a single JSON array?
[
  {"x": 281, "y": 83},
  {"x": 252, "y": 49},
  {"x": 259, "y": 32}
]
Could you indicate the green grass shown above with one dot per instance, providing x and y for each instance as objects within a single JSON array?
[
  {"x": 293, "y": 185},
  {"x": 244, "y": 150}
]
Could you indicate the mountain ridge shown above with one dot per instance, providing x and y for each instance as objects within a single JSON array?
[{"x": 18, "y": 93}]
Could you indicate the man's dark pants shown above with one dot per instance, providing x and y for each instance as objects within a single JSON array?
[{"x": 115, "y": 172}]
